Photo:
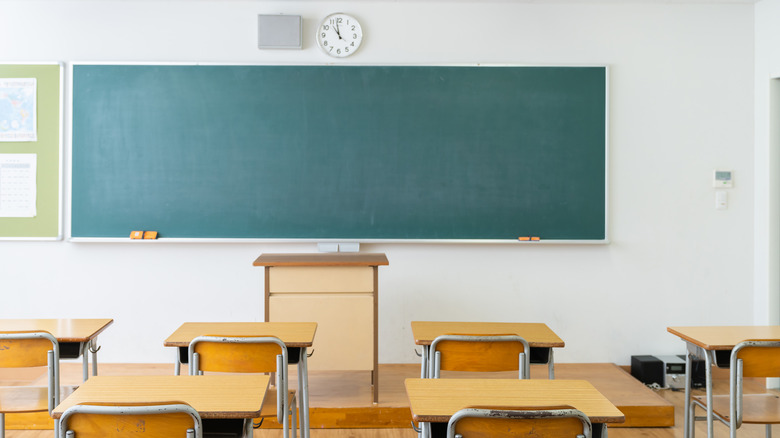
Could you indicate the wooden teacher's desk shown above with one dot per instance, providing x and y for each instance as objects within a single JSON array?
[
  {"x": 436, "y": 400},
  {"x": 75, "y": 336},
  {"x": 215, "y": 397},
  {"x": 297, "y": 337},
  {"x": 540, "y": 338},
  {"x": 340, "y": 291},
  {"x": 714, "y": 345}
]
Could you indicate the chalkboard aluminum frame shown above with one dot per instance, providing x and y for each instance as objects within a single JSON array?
[{"x": 163, "y": 239}]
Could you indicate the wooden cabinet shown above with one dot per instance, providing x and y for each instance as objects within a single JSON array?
[{"x": 338, "y": 291}]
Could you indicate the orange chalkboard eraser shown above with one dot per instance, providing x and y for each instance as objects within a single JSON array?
[
  {"x": 136, "y": 234},
  {"x": 535, "y": 239},
  {"x": 524, "y": 238},
  {"x": 150, "y": 234}
]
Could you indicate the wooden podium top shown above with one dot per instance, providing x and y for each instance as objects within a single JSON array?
[{"x": 322, "y": 259}]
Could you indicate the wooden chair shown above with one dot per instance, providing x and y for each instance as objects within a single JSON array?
[
  {"x": 480, "y": 353},
  {"x": 751, "y": 358},
  {"x": 29, "y": 349},
  {"x": 137, "y": 420},
  {"x": 266, "y": 354},
  {"x": 539, "y": 422}
]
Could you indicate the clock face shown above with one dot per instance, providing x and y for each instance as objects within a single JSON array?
[{"x": 339, "y": 35}]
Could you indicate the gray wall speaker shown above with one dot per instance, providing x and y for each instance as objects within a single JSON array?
[{"x": 279, "y": 32}]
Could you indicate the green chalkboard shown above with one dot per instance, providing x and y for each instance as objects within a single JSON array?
[
  {"x": 46, "y": 224},
  {"x": 339, "y": 152}
]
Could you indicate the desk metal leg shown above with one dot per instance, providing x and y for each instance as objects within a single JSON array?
[
  {"x": 248, "y": 430},
  {"x": 85, "y": 360},
  {"x": 431, "y": 365},
  {"x": 688, "y": 421},
  {"x": 690, "y": 415},
  {"x": 708, "y": 359},
  {"x": 424, "y": 362},
  {"x": 93, "y": 348},
  {"x": 303, "y": 383},
  {"x": 85, "y": 349},
  {"x": 177, "y": 362},
  {"x": 550, "y": 366}
]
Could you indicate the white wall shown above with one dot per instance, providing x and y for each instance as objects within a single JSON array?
[{"x": 681, "y": 104}]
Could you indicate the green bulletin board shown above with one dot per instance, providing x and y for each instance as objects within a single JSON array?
[{"x": 47, "y": 222}]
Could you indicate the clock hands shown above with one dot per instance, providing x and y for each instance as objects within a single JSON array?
[{"x": 337, "y": 30}]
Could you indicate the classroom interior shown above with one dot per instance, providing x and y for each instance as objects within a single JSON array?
[{"x": 692, "y": 88}]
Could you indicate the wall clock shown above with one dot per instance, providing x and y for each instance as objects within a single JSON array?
[{"x": 339, "y": 35}]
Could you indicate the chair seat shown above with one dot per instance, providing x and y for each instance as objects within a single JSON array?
[
  {"x": 756, "y": 408},
  {"x": 19, "y": 399},
  {"x": 269, "y": 405}
]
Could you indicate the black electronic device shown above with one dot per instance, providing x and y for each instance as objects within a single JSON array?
[
  {"x": 666, "y": 371},
  {"x": 648, "y": 369}
]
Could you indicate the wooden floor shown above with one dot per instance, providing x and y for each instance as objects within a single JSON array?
[{"x": 391, "y": 397}]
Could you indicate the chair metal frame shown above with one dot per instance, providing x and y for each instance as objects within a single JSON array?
[
  {"x": 736, "y": 380},
  {"x": 284, "y": 409},
  {"x": 53, "y": 367},
  {"x": 134, "y": 409},
  {"x": 520, "y": 415},
  {"x": 524, "y": 363}
]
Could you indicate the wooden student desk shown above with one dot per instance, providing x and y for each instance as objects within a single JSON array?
[
  {"x": 714, "y": 345},
  {"x": 434, "y": 401},
  {"x": 215, "y": 397},
  {"x": 75, "y": 336},
  {"x": 297, "y": 337},
  {"x": 540, "y": 338}
]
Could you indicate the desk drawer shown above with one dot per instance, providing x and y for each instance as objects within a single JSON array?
[{"x": 320, "y": 279}]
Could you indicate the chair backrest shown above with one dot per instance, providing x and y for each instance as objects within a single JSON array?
[
  {"x": 243, "y": 354},
  {"x": 26, "y": 348},
  {"x": 750, "y": 358},
  {"x": 485, "y": 353},
  {"x": 539, "y": 422},
  {"x": 20, "y": 349},
  {"x": 759, "y": 357},
  {"x": 139, "y": 420},
  {"x": 237, "y": 354}
]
